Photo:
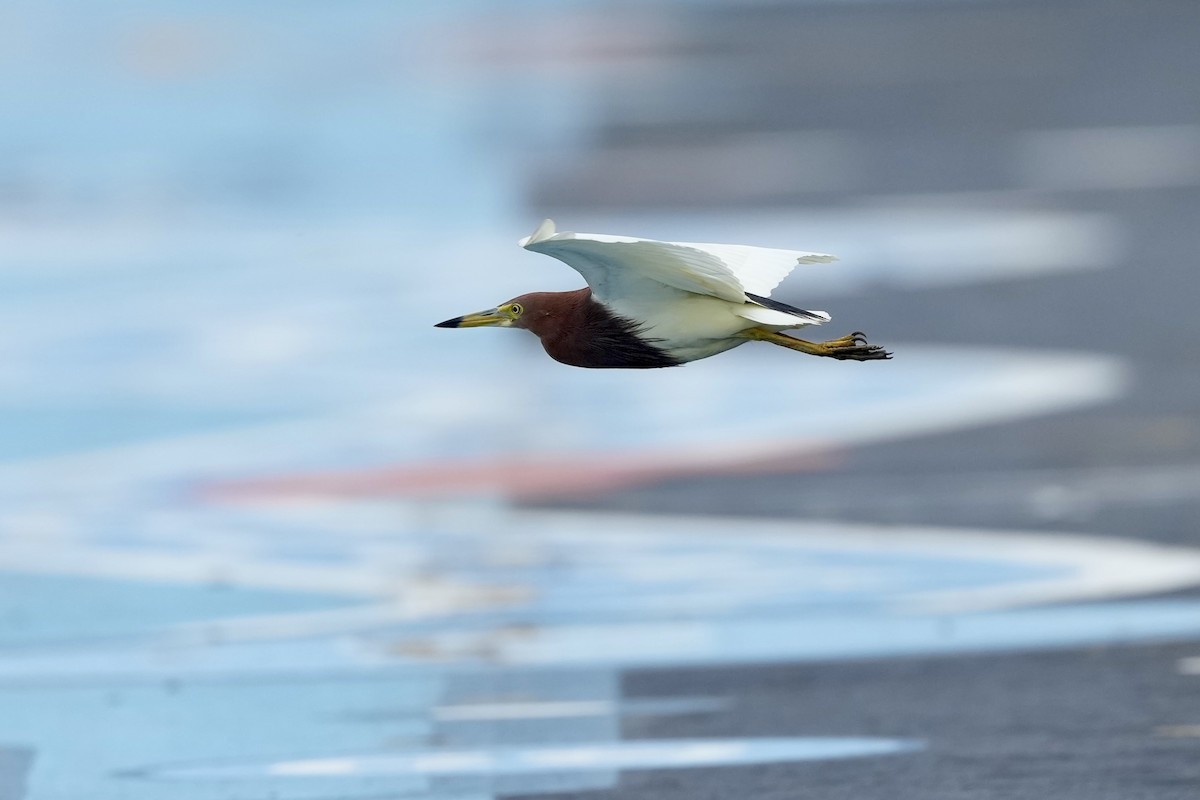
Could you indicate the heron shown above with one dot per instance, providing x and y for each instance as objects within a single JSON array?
[{"x": 652, "y": 304}]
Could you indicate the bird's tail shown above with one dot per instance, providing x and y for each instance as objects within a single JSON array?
[{"x": 773, "y": 312}]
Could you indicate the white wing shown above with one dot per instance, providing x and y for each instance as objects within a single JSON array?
[{"x": 620, "y": 266}]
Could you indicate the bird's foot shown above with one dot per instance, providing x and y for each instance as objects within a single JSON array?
[{"x": 852, "y": 347}]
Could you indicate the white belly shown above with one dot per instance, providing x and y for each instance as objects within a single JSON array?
[{"x": 689, "y": 326}]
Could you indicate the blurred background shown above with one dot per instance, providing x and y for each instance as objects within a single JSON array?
[{"x": 264, "y": 532}]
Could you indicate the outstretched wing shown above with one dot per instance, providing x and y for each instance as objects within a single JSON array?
[{"x": 622, "y": 266}]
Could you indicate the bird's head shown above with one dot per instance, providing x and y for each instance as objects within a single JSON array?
[{"x": 531, "y": 311}]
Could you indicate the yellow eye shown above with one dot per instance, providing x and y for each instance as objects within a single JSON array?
[{"x": 516, "y": 309}]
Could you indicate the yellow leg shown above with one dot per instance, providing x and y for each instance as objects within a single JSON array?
[{"x": 851, "y": 347}]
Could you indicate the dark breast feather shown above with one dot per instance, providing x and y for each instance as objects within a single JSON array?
[{"x": 600, "y": 339}]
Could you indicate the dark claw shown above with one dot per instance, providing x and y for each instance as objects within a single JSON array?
[
  {"x": 855, "y": 347},
  {"x": 864, "y": 353}
]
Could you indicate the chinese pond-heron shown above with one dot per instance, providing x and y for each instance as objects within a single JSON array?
[{"x": 662, "y": 304}]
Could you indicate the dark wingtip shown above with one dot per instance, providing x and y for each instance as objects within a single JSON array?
[
  {"x": 450, "y": 323},
  {"x": 812, "y": 316}
]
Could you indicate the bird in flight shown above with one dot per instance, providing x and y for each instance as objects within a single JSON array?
[{"x": 662, "y": 304}]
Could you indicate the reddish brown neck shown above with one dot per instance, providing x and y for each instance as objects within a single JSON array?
[
  {"x": 577, "y": 330},
  {"x": 552, "y": 315}
]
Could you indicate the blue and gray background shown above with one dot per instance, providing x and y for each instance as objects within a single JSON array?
[{"x": 265, "y": 533}]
